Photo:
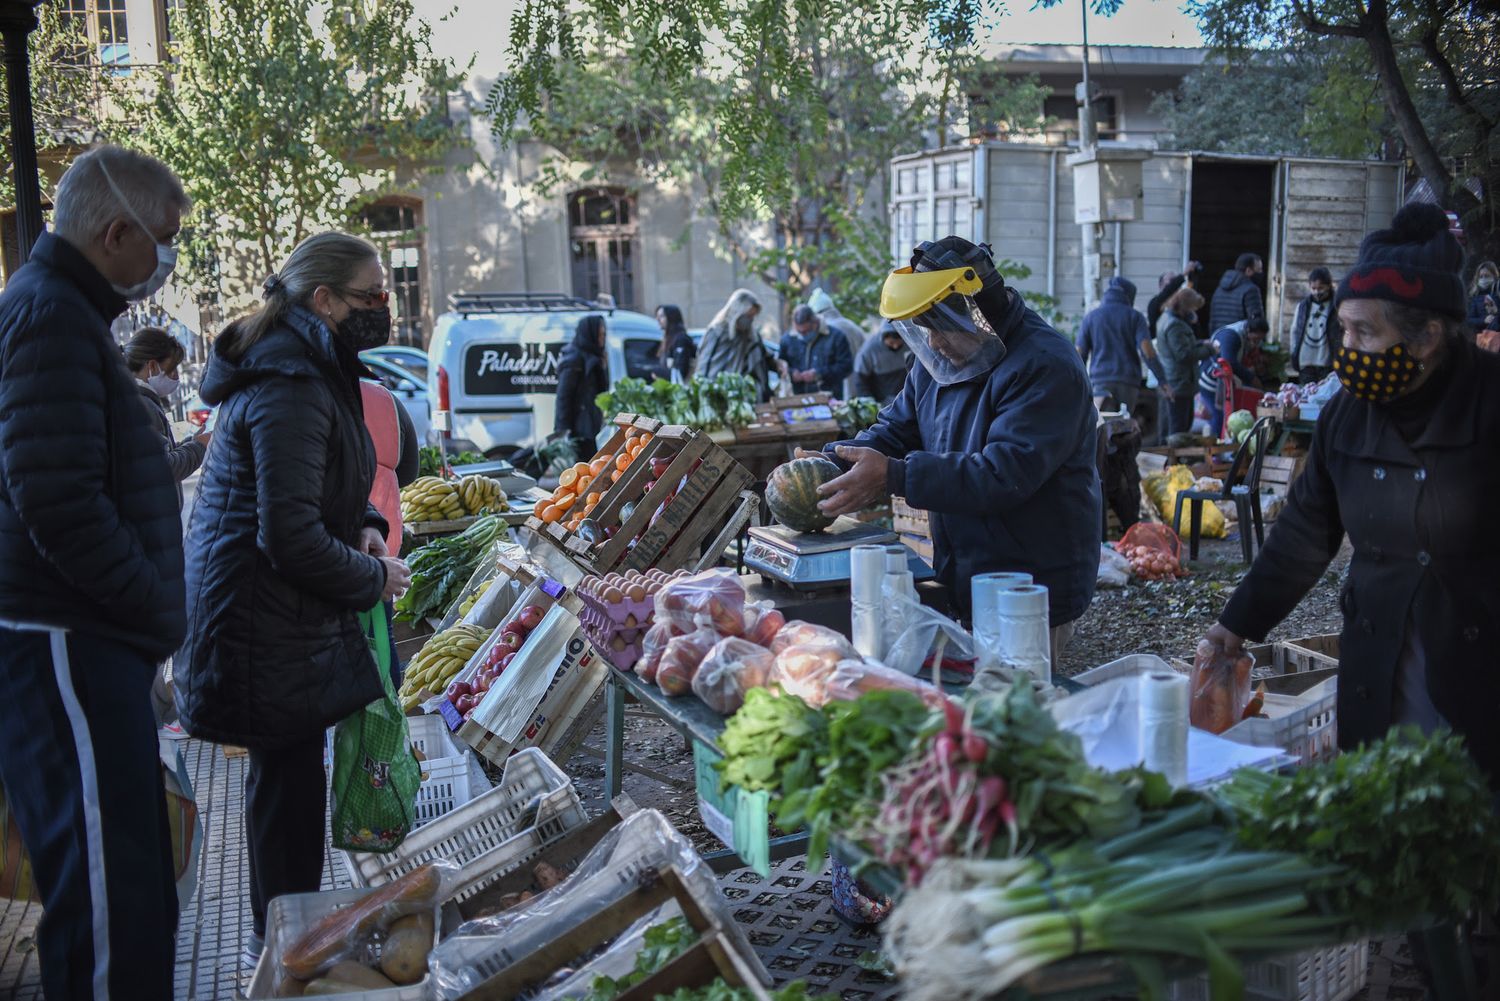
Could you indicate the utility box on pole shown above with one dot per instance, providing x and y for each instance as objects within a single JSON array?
[{"x": 1107, "y": 185}]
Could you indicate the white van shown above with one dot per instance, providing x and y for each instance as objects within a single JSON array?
[{"x": 494, "y": 356}]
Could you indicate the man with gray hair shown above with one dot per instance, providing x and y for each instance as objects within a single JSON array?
[
  {"x": 818, "y": 358},
  {"x": 91, "y": 587}
]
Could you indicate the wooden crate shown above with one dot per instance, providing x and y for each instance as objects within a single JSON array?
[
  {"x": 804, "y": 416},
  {"x": 714, "y": 481},
  {"x": 714, "y": 955},
  {"x": 1309, "y": 653},
  {"x": 908, "y": 520},
  {"x": 1278, "y": 412},
  {"x": 1277, "y": 473}
]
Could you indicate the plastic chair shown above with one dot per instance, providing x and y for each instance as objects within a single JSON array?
[{"x": 1241, "y": 487}]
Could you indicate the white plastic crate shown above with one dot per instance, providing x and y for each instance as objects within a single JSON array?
[
  {"x": 1333, "y": 974},
  {"x": 1304, "y": 725},
  {"x": 534, "y": 805},
  {"x": 431, "y": 736},
  {"x": 288, "y": 917},
  {"x": 450, "y": 783}
]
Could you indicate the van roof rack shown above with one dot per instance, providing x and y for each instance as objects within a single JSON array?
[{"x": 520, "y": 302}]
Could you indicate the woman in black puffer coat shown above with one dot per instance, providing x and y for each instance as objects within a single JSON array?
[
  {"x": 285, "y": 548},
  {"x": 582, "y": 374}
]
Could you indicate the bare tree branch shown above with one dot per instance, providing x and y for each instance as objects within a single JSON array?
[
  {"x": 1444, "y": 68},
  {"x": 1320, "y": 27}
]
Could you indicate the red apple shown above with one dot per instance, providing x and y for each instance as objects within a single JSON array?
[
  {"x": 505, "y": 661},
  {"x": 512, "y": 638},
  {"x": 659, "y": 466},
  {"x": 465, "y": 704},
  {"x": 481, "y": 685},
  {"x": 531, "y": 616},
  {"x": 457, "y": 690}
]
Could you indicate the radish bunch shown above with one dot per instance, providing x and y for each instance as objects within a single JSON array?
[
  {"x": 1148, "y": 563},
  {"x": 942, "y": 803}
]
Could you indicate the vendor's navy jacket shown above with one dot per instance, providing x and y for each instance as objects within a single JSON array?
[
  {"x": 90, "y": 533},
  {"x": 826, "y": 351},
  {"x": 1237, "y": 298},
  {"x": 1109, "y": 338},
  {"x": 1005, "y": 463},
  {"x": 274, "y": 651},
  {"x": 1416, "y": 494}
]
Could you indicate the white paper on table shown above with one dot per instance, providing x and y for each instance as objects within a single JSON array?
[{"x": 1106, "y": 717}]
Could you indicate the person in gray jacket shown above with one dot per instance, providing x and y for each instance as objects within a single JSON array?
[
  {"x": 153, "y": 357},
  {"x": 1180, "y": 351},
  {"x": 880, "y": 370}
]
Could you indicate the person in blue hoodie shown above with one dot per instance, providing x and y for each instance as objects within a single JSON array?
[
  {"x": 1112, "y": 340},
  {"x": 1231, "y": 343},
  {"x": 994, "y": 433}
]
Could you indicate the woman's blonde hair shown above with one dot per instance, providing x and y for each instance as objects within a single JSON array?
[
  {"x": 331, "y": 259},
  {"x": 1184, "y": 302}
]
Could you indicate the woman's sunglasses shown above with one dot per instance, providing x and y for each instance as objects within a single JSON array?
[{"x": 373, "y": 297}]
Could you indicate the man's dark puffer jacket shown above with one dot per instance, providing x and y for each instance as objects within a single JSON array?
[
  {"x": 90, "y": 534},
  {"x": 274, "y": 652}
]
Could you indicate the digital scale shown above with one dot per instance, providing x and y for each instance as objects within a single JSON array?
[{"x": 810, "y": 561}]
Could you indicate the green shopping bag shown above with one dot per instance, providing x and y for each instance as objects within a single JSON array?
[{"x": 375, "y": 773}]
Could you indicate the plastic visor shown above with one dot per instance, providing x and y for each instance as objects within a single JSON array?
[{"x": 952, "y": 341}]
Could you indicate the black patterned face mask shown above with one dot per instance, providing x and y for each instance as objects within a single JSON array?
[
  {"x": 1375, "y": 378},
  {"x": 367, "y": 328}
]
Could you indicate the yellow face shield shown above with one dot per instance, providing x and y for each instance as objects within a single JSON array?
[
  {"x": 907, "y": 293},
  {"x": 936, "y": 315}
]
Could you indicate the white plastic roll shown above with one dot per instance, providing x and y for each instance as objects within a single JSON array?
[
  {"x": 866, "y": 573},
  {"x": 1164, "y": 724},
  {"x": 896, "y": 559},
  {"x": 898, "y": 590},
  {"x": 1025, "y": 641},
  {"x": 986, "y": 616}
]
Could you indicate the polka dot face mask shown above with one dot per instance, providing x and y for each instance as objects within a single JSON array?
[{"x": 1375, "y": 378}]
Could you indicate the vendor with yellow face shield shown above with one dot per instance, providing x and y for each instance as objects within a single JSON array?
[{"x": 993, "y": 433}]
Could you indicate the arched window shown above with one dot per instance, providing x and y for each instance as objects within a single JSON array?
[
  {"x": 603, "y": 231},
  {"x": 395, "y": 226}
]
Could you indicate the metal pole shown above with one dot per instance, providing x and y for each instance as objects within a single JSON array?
[
  {"x": 18, "y": 20},
  {"x": 1088, "y": 141}
]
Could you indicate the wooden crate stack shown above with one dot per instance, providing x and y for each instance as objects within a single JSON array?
[
  {"x": 914, "y": 527},
  {"x": 712, "y": 483}
]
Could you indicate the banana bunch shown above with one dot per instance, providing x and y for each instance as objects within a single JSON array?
[
  {"x": 468, "y": 603},
  {"x": 482, "y": 495},
  {"x": 443, "y": 657},
  {"x": 430, "y": 498}
]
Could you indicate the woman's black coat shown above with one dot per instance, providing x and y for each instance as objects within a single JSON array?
[
  {"x": 274, "y": 653},
  {"x": 1420, "y": 517},
  {"x": 582, "y": 374}
]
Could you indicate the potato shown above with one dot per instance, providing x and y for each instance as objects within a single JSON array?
[
  {"x": 350, "y": 972},
  {"x": 548, "y": 876},
  {"x": 403, "y": 956}
]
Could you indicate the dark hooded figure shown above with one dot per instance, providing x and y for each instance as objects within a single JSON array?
[
  {"x": 677, "y": 352},
  {"x": 582, "y": 375}
]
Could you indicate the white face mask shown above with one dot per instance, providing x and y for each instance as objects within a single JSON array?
[
  {"x": 166, "y": 257},
  {"x": 163, "y": 385}
]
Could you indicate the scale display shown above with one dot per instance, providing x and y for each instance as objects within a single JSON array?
[{"x": 819, "y": 559}]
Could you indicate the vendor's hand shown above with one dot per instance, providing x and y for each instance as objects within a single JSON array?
[
  {"x": 204, "y": 438},
  {"x": 397, "y": 578},
  {"x": 808, "y": 375},
  {"x": 1225, "y": 640},
  {"x": 861, "y": 486},
  {"x": 372, "y": 543}
]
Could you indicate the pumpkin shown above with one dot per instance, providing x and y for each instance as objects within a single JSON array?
[{"x": 792, "y": 493}]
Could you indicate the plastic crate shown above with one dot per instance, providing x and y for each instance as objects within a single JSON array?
[
  {"x": 1332, "y": 974},
  {"x": 1130, "y": 664},
  {"x": 288, "y": 917},
  {"x": 431, "y": 736},
  {"x": 534, "y": 805},
  {"x": 450, "y": 783}
]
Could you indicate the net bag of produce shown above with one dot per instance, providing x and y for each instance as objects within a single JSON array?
[
  {"x": 732, "y": 668},
  {"x": 1154, "y": 550},
  {"x": 1220, "y": 688},
  {"x": 375, "y": 774}
]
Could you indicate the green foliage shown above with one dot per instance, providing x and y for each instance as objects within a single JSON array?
[
  {"x": 725, "y": 401},
  {"x": 1319, "y": 100},
  {"x": 855, "y": 415},
  {"x": 659, "y": 946},
  {"x": 286, "y": 117},
  {"x": 772, "y": 743},
  {"x": 1409, "y": 820},
  {"x": 782, "y": 119},
  {"x": 75, "y": 102},
  {"x": 721, "y": 991}
]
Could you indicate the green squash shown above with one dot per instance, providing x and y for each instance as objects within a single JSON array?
[{"x": 792, "y": 493}]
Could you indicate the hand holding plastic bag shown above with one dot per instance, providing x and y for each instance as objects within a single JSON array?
[{"x": 1220, "y": 687}]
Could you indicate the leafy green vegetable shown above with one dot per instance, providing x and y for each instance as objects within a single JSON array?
[
  {"x": 725, "y": 401},
  {"x": 1408, "y": 819},
  {"x": 855, "y": 415},
  {"x": 864, "y": 738},
  {"x": 661, "y": 944},
  {"x": 1058, "y": 795},
  {"x": 721, "y": 991},
  {"x": 440, "y": 569},
  {"x": 772, "y": 740},
  {"x": 430, "y": 460}
]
